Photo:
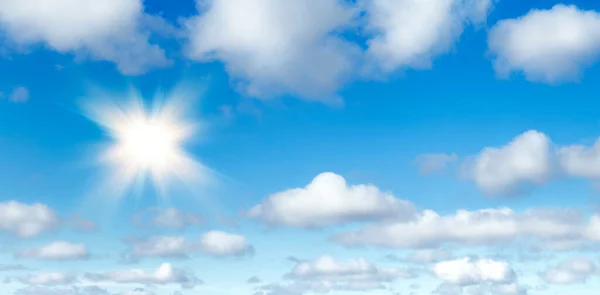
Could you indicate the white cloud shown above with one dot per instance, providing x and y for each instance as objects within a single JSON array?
[
  {"x": 572, "y": 271},
  {"x": 549, "y": 46},
  {"x": 224, "y": 244},
  {"x": 172, "y": 218},
  {"x": 483, "y": 227},
  {"x": 274, "y": 47},
  {"x": 525, "y": 161},
  {"x": 329, "y": 200},
  {"x": 354, "y": 270},
  {"x": 411, "y": 33},
  {"x": 59, "y": 250},
  {"x": 467, "y": 272},
  {"x": 431, "y": 163},
  {"x": 165, "y": 274},
  {"x": 159, "y": 246},
  {"x": 109, "y": 30},
  {"x": 326, "y": 274},
  {"x": 214, "y": 243},
  {"x": 27, "y": 221},
  {"x": 49, "y": 279},
  {"x": 580, "y": 161}
]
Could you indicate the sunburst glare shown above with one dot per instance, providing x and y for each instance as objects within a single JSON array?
[{"x": 146, "y": 143}]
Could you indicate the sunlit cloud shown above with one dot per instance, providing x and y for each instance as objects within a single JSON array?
[{"x": 146, "y": 141}]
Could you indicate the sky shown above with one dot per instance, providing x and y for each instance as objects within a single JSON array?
[{"x": 269, "y": 147}]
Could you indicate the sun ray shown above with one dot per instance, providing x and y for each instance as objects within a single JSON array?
[{"x": 146, "y": 143}]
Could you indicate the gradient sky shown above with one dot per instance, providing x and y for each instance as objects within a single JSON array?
[{"x": 353, "y": 147}]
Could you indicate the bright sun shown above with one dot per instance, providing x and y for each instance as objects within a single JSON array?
[
  {"x": 146, "y": 143},
  {"x": 151, "y": 144}
]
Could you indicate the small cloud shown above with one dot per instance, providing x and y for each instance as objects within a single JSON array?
[
  {"x": 254, "y": 280},
  {"x": 60, "y": 250},
  {"x": 469, "y": 272},
  {"x": 167, "y": 218},
  {"x": 19, "y": 94},
  {"x": 326, "y": 274},
  {"x": 214, "y": 243},
  {"x": 513, "y": 168},
  {"x": 432, "y": 163},
  {"x": 571, "y": 271},
  {"x": 49, "y": 279},
  {"x": 164, "y": 275},
  {"x": 27, "y": 220}
]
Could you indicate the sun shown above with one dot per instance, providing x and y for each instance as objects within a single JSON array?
[
  {"x": 146, "y": 142},
  {"x": 150, "y": 144}
]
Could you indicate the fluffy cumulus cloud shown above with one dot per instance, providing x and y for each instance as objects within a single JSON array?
[
  {"x": 165, "y": 274},
  {"x": 559, "y": 229},
  {"x": 214, "y": 243},
  {"x": 530, "y": 159},
  {"x": 431, "y": 163},
  {"x": 580, "y": 160},
  {"x": 110, "y": 30},
  {"x": 551, "y": 46},
  {"x": 510, "y": 169},
  {"x": 411, "y": 33},
  {"x": 466, "y": 272},
  {"x": 308, "y": 39},
  {"x": 31, "y": 220},
  {"x": 330, "y": 269},
  {"x": 167, "y": 218},
  {"x": 223, "y": 244},
  {"x": 571, "y": 271},
  {"x": 59, "y": 250},
  {"x": 329, "y": 200},
  {"x": 27, "y": 220},
  {"x": 276, "y": 47},
  {"x": 326, "y": 274},
  {"x": 476, "y": 276}
]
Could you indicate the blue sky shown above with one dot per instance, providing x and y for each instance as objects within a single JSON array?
[{"x": 374, "y": 147}]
